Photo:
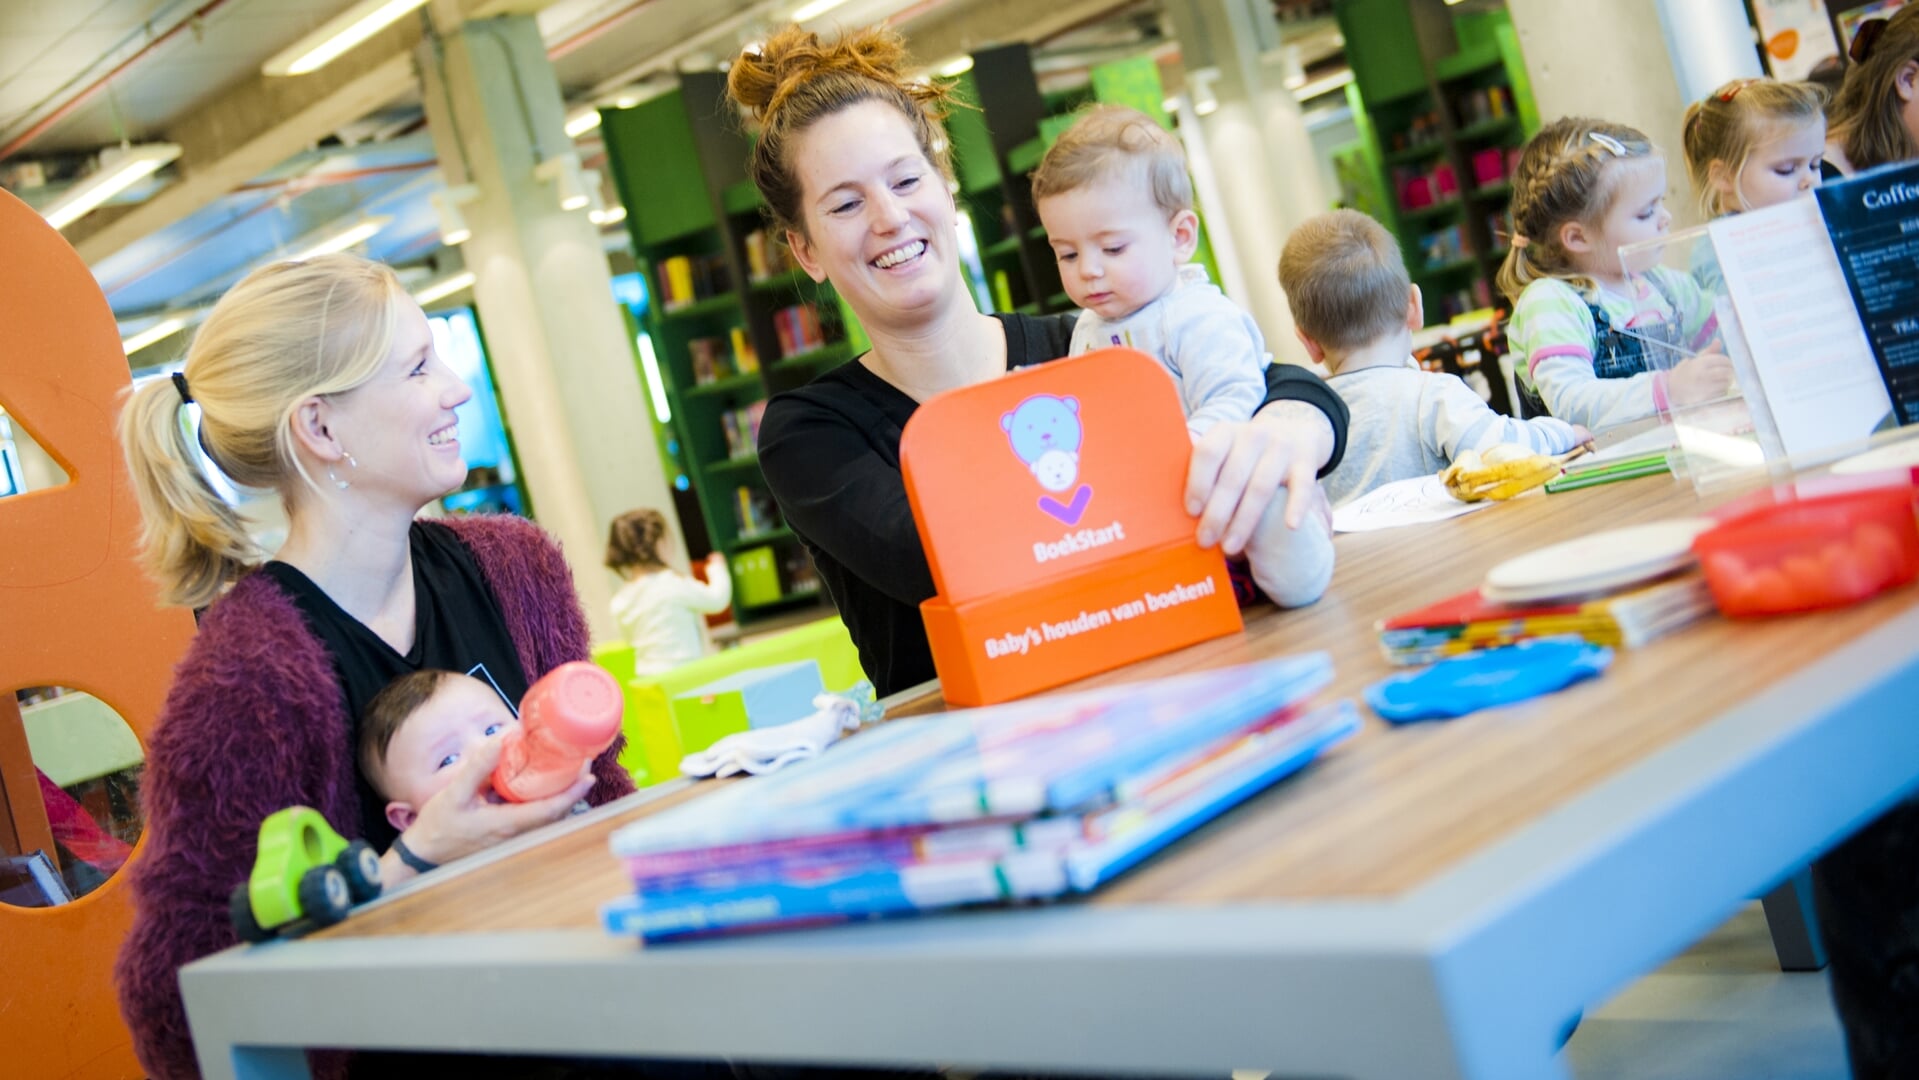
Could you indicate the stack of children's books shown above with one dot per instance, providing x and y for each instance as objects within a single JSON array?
[
  {"x": 1468, "y": 622},
  {"x": 1025, "y": 801}
]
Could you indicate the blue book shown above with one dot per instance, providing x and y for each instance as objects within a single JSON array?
[
  {"x": 1096, "y": 848},
  {"x": 1045, "y": 755}
]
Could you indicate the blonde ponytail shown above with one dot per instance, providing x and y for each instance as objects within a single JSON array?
[{"x": 285, "y": 333}]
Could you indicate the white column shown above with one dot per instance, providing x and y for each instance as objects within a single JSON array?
[
  {"x": 1616, "y": 68},
  {"x": 555, "y": 337},
  {"x": 1261, "y": 155},
  {"x": 1711, "y": 43}
]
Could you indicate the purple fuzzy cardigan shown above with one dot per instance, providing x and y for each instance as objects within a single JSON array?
[{"x": 254, "y": 723}]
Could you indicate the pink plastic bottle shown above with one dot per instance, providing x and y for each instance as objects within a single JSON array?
[{"x": 568, "y": 717}]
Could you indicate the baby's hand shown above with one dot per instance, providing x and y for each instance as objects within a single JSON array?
[{"x": 1698, "y": 379}]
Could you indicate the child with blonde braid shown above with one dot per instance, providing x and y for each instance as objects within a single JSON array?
[{"x": 1585, "y": 328}]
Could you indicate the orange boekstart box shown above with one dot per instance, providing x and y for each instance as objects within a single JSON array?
[{"x": 1050, "y": 506}]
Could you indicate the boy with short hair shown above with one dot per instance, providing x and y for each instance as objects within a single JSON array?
[
  {"x": 1114, "y": 195},
  {"x": 1355, "y": 309}
]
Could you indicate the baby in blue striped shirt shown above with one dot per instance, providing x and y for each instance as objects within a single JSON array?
[{"x": 1355, "y": 309}]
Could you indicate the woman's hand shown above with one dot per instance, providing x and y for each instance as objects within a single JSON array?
[
  {"x": 1237, "y": 469},
  {"x": 465, "y": 816}
]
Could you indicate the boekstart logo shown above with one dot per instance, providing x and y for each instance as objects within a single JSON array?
[{"x": 1045, "y": 433}]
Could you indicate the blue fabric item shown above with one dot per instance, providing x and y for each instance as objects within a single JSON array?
[{"x": 1482, "y": 680}]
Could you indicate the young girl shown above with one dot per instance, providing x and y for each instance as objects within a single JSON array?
[
  {"x": 1584, "y": 189},
  {"x": 659, "y": 609},
  {"x": 1755, "y": 143}
]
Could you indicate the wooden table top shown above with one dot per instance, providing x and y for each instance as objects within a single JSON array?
[{"x": 1379, "y": 814}]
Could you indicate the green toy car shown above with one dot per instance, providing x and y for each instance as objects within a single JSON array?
[{"x": 305, "y": 876}]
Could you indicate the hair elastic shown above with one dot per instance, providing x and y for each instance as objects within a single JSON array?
[
  {"x": 180, "y": 384},
  {"x": 1864, "y": 38},
  {"x": 1518, "y": 241},
  {"x": 1725, "y": 96}
]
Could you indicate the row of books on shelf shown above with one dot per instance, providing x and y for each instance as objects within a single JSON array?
[
  {"x": 716, "y": 358},
  {"x": 741, "y": 427},
  {"x": 767, "y": 257},
  {"x": 755, "y": 510},
  {"x": 1025, "y": 801},
  {"x": 799, "y": 329},
  {"x": 685, "y": 279}
]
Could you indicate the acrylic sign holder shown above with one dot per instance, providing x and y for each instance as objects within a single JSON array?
[{"x": 1050, "y": 506}]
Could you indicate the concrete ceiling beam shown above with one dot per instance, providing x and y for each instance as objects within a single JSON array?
[
  {"x": 955, "y": 29},
  {"x": 262, "y": 121}
]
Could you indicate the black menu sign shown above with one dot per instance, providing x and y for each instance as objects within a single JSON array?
[{"x": 1874, "y": 220}]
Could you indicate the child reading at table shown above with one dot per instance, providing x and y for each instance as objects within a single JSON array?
[
  {"x": 1117, "y": 203},
  {"x": 1751, "y": 144},
  {"x": 1355, "y": 309},
  {"x": 1588, "y": 332}
]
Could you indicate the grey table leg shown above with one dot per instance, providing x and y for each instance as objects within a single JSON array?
[{"x": 1795, "y": 935}]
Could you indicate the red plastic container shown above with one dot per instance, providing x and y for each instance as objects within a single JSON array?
[
  {"x": 568, "y": 718},
  {"x": 1817, "y": 553}
]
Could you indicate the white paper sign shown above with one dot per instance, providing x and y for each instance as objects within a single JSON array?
[{"x": 1810, "y": 352}]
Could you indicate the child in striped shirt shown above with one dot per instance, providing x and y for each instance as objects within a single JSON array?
[
  {"x": 1355, "y": 309},
  {"x": 1594, "y": 342}
]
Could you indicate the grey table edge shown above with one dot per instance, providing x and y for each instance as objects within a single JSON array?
[{"x": 1473, "y": 975}]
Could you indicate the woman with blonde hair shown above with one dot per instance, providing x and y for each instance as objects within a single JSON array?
[
  {"x": 854, "y": 166},
  {"x": 318, "y": 380}
]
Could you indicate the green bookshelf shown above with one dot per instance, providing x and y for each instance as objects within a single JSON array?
[
  {"x": 746, "y": 332},
  {"x": 1439, "y": 90}
]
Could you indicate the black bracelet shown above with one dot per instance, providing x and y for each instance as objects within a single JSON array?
[{"x": 408, "y": 857}]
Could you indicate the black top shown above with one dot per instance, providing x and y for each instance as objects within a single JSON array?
[
  {"x": 830, "y": 451},
  {"x": 458, "y": 626}
]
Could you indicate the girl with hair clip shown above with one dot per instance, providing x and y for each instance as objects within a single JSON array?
[
  {"x": 855, "y": 169},
  {"x": 1581, "y": 320},
  {"x": 318, "y": 380},
  {"x": 1755, "y": 143},
  {"x": 1875, "y": 118},
  {"x": 1751, "y": 144},
  {"x": 659, "y": 609}
]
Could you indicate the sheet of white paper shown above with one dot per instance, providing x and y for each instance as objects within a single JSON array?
[
  {"x": 1815, "y": 366},
  {"x": 1402, "y": 502}
]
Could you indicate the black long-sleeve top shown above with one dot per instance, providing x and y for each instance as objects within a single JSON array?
[{"x": 831, "y": 454}]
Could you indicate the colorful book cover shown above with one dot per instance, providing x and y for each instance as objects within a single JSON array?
[
  {"x": 1062, "y": 753},
  {"x": 1096, "y": 849}
]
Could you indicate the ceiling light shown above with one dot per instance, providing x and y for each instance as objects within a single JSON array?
[
  {"x": 337, "y": 35},
  {"x": 446, "y": 205},
  {"x": 568, "y": 181},
  {"x": 953, "y": 69},
  {"x": 159, "y": 331},
  {"x": 353, "y": 234},
  {"x": 445, "y": 287},
  {"x": 582, "y": 122},
  {"x": 1324, "y": 84},
  {"x": 612, "y": 215},
  {"x": 815, "y": 9},
  {"x": 120, "y": 168}
]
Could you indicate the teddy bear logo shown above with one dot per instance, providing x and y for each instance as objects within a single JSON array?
[{"x": 1045, "y": 433}]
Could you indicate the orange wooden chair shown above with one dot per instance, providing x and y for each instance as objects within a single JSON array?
[{"x": 80, "y": 614}]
